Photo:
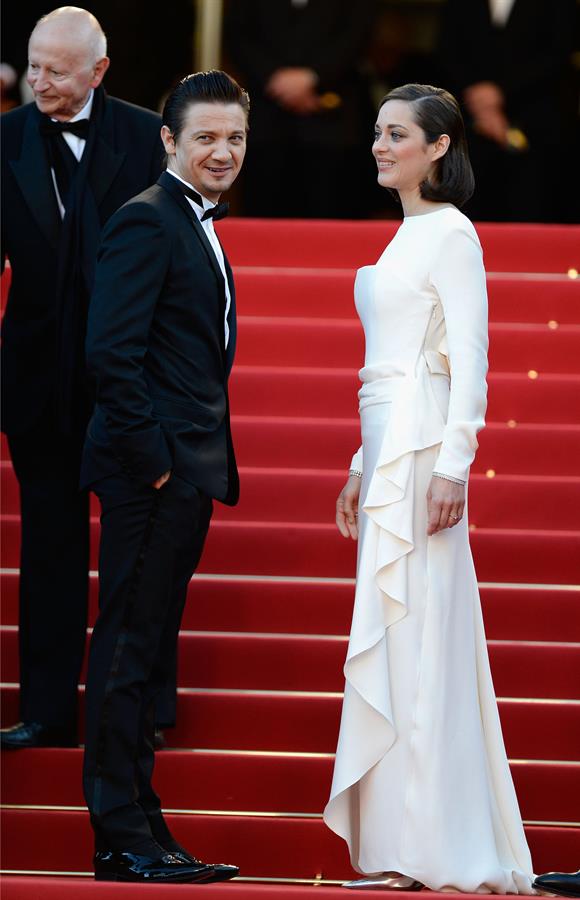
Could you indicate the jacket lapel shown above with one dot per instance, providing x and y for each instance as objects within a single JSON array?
[
  {"x": 170, "y": 184},
  {"x": 34, "y": 178},
  {"x": 105, "y": 162}
]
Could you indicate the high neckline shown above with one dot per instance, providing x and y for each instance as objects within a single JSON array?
[{"x": 431, "y": 213}]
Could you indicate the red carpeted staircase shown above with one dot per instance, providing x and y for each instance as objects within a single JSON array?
[{"x": 265, "y": 629}]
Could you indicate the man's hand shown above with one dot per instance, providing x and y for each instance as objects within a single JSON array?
[
  {"x": 294, "y": 89},
  {"x": 445, "y": 504},
  {"x": 161, "y": 480},
  {"x": 347, "y": 508}
]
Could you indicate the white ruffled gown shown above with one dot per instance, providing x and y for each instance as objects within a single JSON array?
[{"x": 421, "y": 783}]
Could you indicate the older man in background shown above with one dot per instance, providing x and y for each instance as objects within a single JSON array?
[{"x": 70, "y": 159}]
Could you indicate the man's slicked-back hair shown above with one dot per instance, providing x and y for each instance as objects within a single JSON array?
[
  {"x": 437, "y": 112},
  {"x": 214, "y": 86}
]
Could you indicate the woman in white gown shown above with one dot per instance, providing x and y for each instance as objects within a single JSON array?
[{"x": 422, "y": 790}]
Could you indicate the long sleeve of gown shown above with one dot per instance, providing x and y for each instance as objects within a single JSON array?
[
  {"x": 357, "y": 461},
  {"x": 459, "y": 278}
]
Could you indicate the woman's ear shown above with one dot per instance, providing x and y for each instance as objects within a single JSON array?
[{"x": 441, "y": 146}]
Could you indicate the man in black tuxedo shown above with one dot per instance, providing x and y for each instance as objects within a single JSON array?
[
  {"x": 69, "y": 160},
  {"x": 509, "y": 63},
  {"x": 160, "y": 345}
]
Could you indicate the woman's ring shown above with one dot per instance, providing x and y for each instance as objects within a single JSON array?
[{"x": 452, "y": 516}]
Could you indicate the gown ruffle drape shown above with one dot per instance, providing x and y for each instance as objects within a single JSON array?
[{"x": 421, "y": 783}]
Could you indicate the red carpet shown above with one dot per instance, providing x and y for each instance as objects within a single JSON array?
[
  {"x": 308, "y": 606},
  {"x": 322, "y": 244},
  {"x": 307, "y": 722},
  {"x": 311, "y": 663},
  {"x": 264, "y": 633}
]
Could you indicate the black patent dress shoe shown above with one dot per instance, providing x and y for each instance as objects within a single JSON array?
[
  {"x": 564, "y": 884},
  {"x": 33, "y": 734},
  {"x": 222, "y": 872},
  {"x": 121, "y": 865}
]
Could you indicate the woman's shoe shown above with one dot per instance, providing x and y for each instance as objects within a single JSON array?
[{"x": 386, "y": 881}]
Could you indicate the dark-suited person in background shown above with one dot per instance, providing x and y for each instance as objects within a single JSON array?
[
  {"x": 311, "y": 113},
  {"x": 69, "y": 160},
  {"x": 160, "y": 343},
  {"x": 509, "y": 61}
]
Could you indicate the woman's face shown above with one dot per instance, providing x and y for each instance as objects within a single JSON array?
[{"x": 404, "y": 158}]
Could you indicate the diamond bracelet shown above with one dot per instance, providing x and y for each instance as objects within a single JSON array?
[{"x": 448, "y": 478}]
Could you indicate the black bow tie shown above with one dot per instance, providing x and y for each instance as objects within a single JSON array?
[
  {"x": 80, "y": 128},
  {"x": 219, "y": 211}
]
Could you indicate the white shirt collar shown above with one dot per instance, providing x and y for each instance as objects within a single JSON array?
[
  {"x": 500, "y": 11},
  {"x": 85, "y": 112},
  {"x": 207, "y": 204}
]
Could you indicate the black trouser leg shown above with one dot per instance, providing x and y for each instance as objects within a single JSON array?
[
  {"x": 150, "y": 544},
  {"x": 165, "y": 663},
  {"x": 166, "y": 702},
  {"x": 54, "y": 565}
]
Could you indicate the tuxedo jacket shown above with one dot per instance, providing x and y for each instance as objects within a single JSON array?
[
  {"x": 528, "y": 57},
  {"x": 127, "y": 158},
  {"x": 155, "y": 347}
]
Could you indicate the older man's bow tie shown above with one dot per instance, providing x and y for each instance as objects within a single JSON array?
[
  {"x": 219, "y": 211},
  {"x": 80, "y": 128}
]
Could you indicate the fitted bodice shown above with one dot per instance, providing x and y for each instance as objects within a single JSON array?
[{"x": 423, "y": 308}]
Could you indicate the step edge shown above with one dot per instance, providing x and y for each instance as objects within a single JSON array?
[{"x": 246, "y": 814}]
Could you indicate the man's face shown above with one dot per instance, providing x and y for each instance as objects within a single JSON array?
[
  {"x": 61, "y": 71},
  {"x": 211, "y": 146}
]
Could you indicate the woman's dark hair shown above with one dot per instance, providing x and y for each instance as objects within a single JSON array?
[
  {"x": 214, "y": 86},
  {"x": 437, "y": 112}
]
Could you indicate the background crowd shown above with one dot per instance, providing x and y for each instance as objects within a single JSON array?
[{"x": 315, "y": 70}]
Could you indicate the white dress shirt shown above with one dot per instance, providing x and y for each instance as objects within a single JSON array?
[
  {"x": 215, "y": 244},
  {"x": 500, "y": 11},
  {"x": 76, "y": 144}
]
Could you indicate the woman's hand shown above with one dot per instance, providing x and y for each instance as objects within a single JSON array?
[
  {"x": 347, "y": 508},
  {"x": 445, "y": 504}
]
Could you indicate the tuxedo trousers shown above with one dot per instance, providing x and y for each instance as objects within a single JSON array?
[
  {"x": 54, "y": 572},
  {"x": 54, "y": 577},
  {"x": 151, "y": 542}
]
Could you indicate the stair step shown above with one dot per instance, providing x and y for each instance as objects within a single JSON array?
[
  {"x": 31, "y": 887},
  {"x": 324, "y": 243},
  {"x": 311, "y": 663},
  {"x": 520, "y": 449},
  {"x": 322, "y": 293},
  {"x": 516, "y": 400},
  {"x": 314, "y": 549},
  {"x": 317, "y": 607},
  {"x": 258, "y": 782},
  {"x": 298, "y": 391},
  {"x": 308, "y": 722},
  {"x": 533, "y": 449},
  {"x": 318, "y": 342},
  {"x": 523, "y": 449},
  {"x": 262, "y": 846},
  {"x": 298, "y": 495}
]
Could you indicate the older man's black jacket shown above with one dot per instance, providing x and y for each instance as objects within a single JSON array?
[{"x": 126, "y": 157}]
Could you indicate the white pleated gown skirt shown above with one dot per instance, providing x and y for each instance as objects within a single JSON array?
[{"x": 421, "y": 785}]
